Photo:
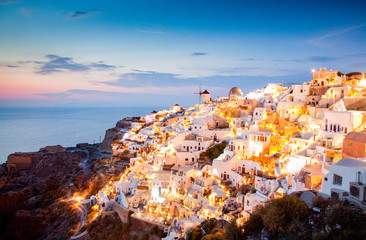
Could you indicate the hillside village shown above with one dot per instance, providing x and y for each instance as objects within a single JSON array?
[{"x": 224, "y": 157}]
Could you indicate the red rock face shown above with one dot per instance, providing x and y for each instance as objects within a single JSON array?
[
  {"x": 57, "y": 148},
  {"x": 18, "y": 161},
  {"x": 28, "y": 201}
]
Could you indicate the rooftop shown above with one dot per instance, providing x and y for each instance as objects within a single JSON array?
[
  {"x": 351, "y": 162},
  {"x": 356, "y": 136}
]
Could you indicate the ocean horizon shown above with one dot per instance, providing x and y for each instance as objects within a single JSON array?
[{"x": 27, "y": 129}]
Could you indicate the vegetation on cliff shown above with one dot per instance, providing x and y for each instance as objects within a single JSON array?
[
  {"x": 290, "y": 218},
  {"x": 214, "y": 152},
  {"x": 212, "y": 229},
  {"x": 108, "y": 227}
]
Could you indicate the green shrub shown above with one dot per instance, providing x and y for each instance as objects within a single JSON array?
[{"x": 215, "y": 151}]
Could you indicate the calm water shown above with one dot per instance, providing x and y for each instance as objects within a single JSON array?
[{"x": 29, "y": 129}]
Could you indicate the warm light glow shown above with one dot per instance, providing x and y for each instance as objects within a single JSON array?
[{"x": 363, "y": 82}]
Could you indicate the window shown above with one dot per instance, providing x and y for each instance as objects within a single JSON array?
[{"x": 337, "y": 180}]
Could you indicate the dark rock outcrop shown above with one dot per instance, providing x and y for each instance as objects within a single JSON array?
[
  {"x": 29, "y": 208},
  {"x": 57, "y": 148},
  {"x": 111, "y": 135},
  {"x": 124, "y": 123},
  {"x": 44, "y": 160}
]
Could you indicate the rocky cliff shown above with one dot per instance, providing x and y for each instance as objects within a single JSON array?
[
  {"x": 124, "y": 123},
  {"x": 29, "y": 205},
  {"x": 111, "y": 135}
]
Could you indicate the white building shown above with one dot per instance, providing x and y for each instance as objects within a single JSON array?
[
  {"x": 299, "y": 92},
  {"x": 176, "y": 108},
  {"x": 260, "y": 113},
  {"x": 238, "y": 146},
  {"x": 346, "y": 177},
  {"x": 252, "y": 200},
  {"x": 337, "y": 121},
  {"x": 289, "y": 108},
  {"x": 206, "y": 97},
  {"x": 258, "y": 141},
  {"x": 194, "y": 143},
  {"x": 160, "y": 185},
  {"x": 180, "y": 178},
  {"x": 273, "y": 89}
]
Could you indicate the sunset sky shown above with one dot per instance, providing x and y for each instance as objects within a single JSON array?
[{"x": 157, "y": 53}]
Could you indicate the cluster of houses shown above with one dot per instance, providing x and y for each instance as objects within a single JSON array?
[{"x": 274, "y": 141}]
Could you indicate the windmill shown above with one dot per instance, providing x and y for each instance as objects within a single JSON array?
[{"x": 199, "y": 94}]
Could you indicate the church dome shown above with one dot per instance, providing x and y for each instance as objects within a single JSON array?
[{"x": 235, "y": 92}]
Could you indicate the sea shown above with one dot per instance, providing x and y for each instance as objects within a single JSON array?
[{"x": 27, "y": 129}]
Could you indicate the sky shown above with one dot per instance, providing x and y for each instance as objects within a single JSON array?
[{"x": 158, "y": 53}]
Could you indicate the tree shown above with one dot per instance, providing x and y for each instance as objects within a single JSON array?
[
  {"x": 279, "y": 215},
  {"x": 282, "y": 217},
  {"x": 254, "y": 225},
  {"x": 233, "y": 231},
  {"x": 346, "y": 222}
]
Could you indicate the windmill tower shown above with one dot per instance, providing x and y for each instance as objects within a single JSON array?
[
  {"x": 206, "y": 97},
  {"x": 203, "y": 96}
]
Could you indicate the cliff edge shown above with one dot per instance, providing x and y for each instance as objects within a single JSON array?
[
  {"x": 33, "y": 183},
  {"x": 111, "y": 135}
]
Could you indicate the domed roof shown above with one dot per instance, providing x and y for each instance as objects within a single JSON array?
[
  {"x": 235, "y": 91},
  {"x": 308, "y": 197},
  {"x": 351, "y": 162}
]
